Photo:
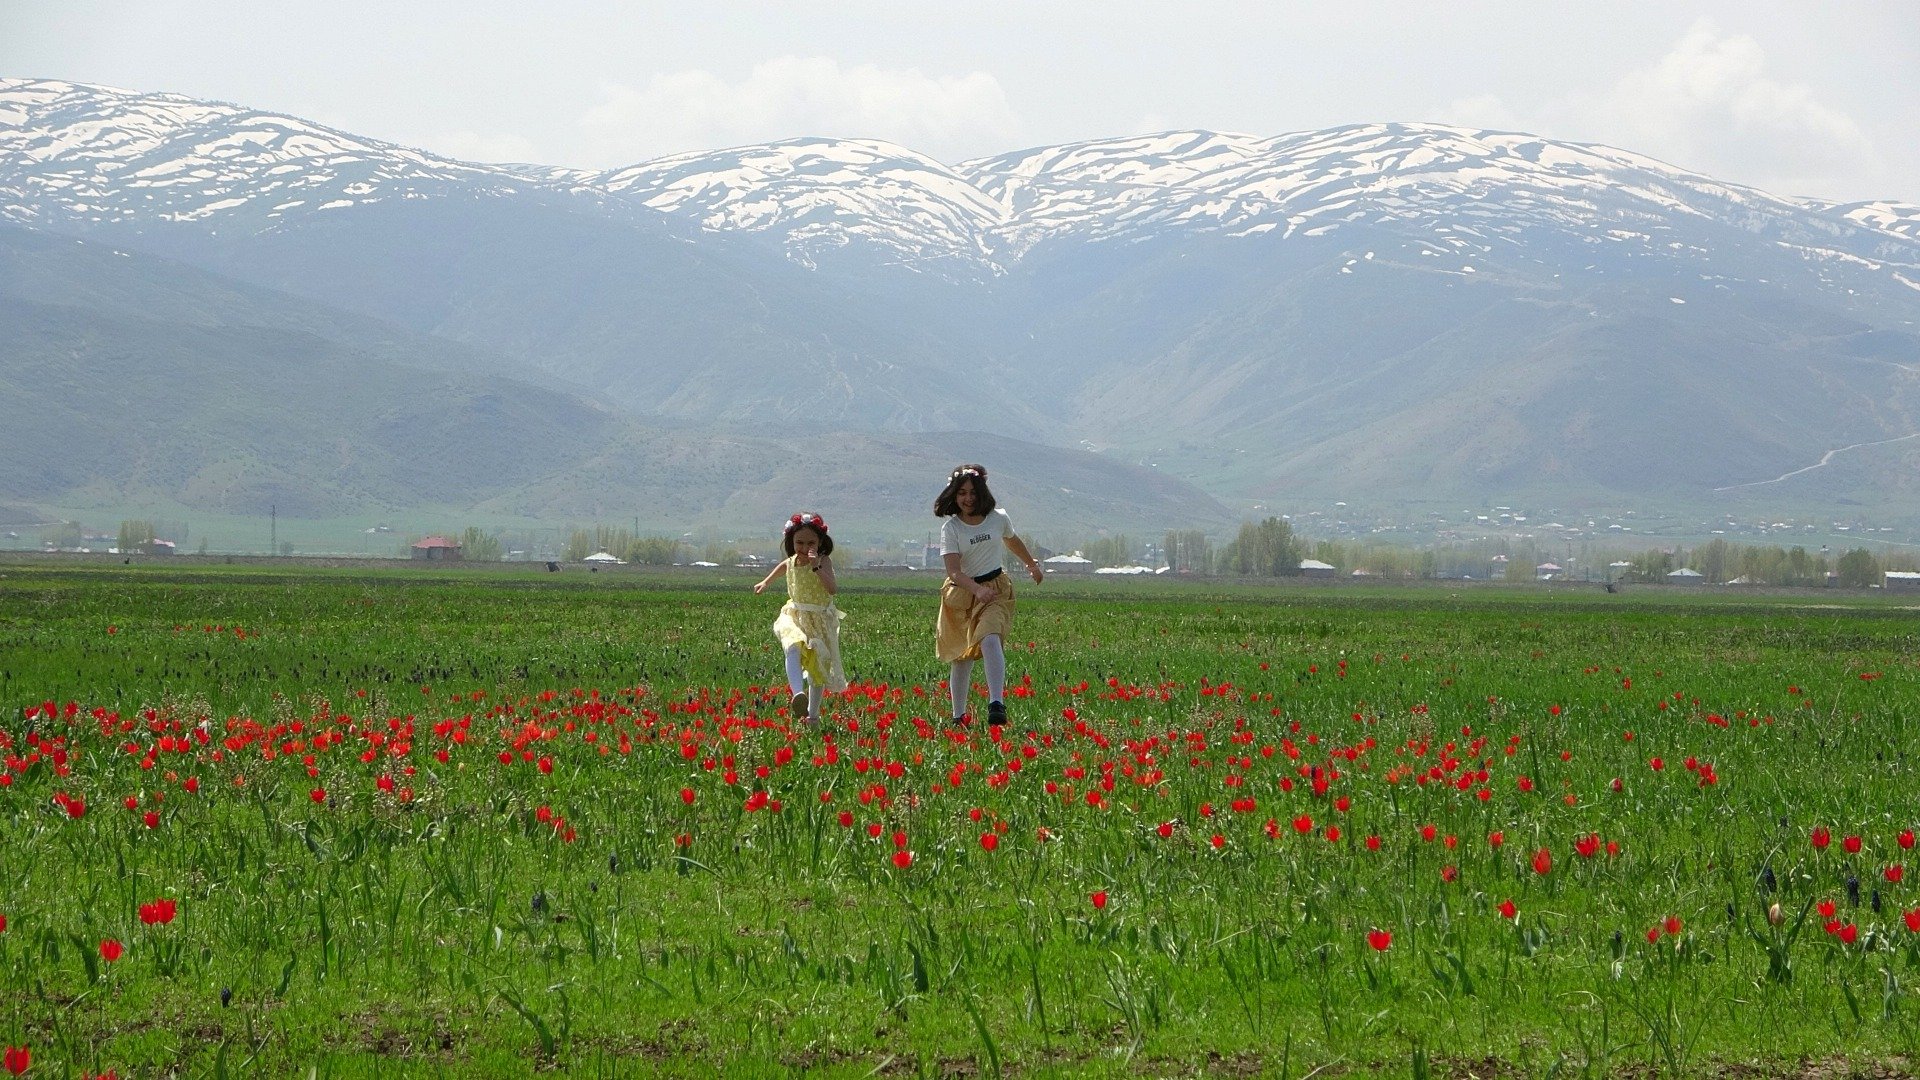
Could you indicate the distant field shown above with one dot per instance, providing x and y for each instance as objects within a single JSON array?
[{"x": 266, "y": 819}]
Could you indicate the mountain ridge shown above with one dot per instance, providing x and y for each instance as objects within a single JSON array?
[{"x": 1264, "y": 314}]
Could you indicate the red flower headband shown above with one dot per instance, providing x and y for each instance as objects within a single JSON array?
[{"x": 812, "y": 521}]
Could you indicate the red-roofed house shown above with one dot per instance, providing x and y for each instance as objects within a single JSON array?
[{"x": 437, "y": 547}]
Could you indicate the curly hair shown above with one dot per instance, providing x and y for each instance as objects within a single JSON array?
[{"x": 947, "y": 503}]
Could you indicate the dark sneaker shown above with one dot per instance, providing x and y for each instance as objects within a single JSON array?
[
  {"x": 996, "y": 713},
  {"x": 797, "y": 708}
]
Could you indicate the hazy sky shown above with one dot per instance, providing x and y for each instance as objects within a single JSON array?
[{"x": 1804, "y": 98}]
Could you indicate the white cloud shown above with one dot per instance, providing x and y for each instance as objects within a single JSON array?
[
  {"x": 1712, "y": 104},
  {"x": 945, "y": 117}
]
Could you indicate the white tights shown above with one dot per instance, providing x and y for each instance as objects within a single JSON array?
[
  {"x": 960, "y": 678},
  {"x": 798, "y": 683}
]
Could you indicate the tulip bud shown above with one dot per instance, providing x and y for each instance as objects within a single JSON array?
[{"x": 1775, "y": 915}]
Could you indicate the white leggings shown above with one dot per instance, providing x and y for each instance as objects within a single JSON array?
[
  {"x": 960, "y": 678},
  {"x": 798, "y": 683}
]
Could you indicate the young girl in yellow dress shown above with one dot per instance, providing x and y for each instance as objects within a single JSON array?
[{"x": 809, "y": 624}]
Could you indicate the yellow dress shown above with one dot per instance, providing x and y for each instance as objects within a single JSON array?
[{"x": 810, "y": 621}]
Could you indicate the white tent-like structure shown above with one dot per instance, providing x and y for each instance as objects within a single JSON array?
[{"x": 603, "y": 557}]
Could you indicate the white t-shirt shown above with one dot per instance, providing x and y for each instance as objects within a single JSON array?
[{"x": 979, "y": 546}]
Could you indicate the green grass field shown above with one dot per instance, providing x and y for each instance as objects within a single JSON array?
[{"x": 270, "y": 821}]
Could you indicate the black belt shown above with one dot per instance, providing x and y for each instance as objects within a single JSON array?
[{"x": 990, "y": 575}]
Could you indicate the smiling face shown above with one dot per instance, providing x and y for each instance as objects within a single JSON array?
[
  {"x": 967, "y": 497},
  {"x": 806, "y": 544}
]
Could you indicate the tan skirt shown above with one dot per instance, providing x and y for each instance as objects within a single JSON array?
[{"x": 964, "y": 620}]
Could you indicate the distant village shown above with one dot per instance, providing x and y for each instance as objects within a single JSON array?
[{"x": 1506, "y": 543}]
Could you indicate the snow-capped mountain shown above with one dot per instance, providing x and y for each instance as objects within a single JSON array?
[
  {"x": 1329, "y": 305},
  {"x": 1481, "y": 187},
  {"x": 76, "y": 156},
  {"x": 822, "y": 195}
]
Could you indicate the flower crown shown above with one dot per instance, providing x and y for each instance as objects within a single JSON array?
[
  {"x": 968, "y": 470},
  {"x": 811, "y": 521}
]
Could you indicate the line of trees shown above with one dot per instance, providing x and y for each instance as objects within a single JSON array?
[
  {"x": 1260, "y": 549},
  {"x": 622, "y": 543},
  {"x": 479, "y": 545},
  {"x": 136, "y": 535},
  {"x": 1271, "y": 548}
]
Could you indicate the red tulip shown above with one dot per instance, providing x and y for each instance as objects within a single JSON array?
[
  {"x": 1508, "y": 910},
  {"x": 903, "y": 859},
  {"x": 159, "y": 911},
  {"x": 18, "y": 1059},
  {"x": 989, "y": 841},
  {"x": 1381, "y": 940},
  {"x": 1851, "y": 845},
  {"x": 1542, "y": 862},
  {"x": 1099, "y": 899},
  {"x": 1672, "y": 925},
  {"x": 110, "y": 950},
  {"x": 1895, "y": 872},
  {"x": 1821, "y": 837}
]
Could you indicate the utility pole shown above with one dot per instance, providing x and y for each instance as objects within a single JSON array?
[{"x": 273, "y": 528}]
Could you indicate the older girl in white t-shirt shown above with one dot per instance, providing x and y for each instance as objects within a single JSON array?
[{"x": 976, "y": 600}]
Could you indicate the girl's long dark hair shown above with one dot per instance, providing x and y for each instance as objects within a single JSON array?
[{"x": 947, "y": 503}]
